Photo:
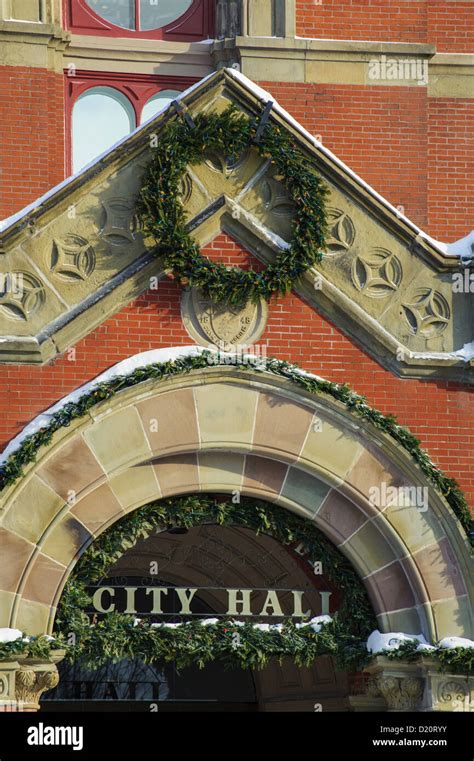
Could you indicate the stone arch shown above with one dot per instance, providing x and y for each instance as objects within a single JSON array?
[{"x": 224, "y": 429}]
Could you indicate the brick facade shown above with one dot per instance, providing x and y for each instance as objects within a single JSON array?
[
  {"x": 31, "y": 135},
  {"x": 440, "y": 414},
  {"x": 446, "y": 24},
  {"x": 414, "y": 149}
]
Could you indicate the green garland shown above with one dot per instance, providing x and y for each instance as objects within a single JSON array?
[
  {"x": 118, "y": 636},
  {"x": 162, "y": 215},
  {"x": 29, "y": 447},
  {"x": 459, "y": 660}
]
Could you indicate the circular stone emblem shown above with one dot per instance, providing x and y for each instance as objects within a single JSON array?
[{"x": 224, "y": 326}]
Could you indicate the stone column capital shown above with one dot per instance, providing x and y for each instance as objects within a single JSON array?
[{"x": 23, "y": 680}]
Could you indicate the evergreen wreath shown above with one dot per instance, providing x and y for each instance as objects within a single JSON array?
[{"x": 163, "y": 217}]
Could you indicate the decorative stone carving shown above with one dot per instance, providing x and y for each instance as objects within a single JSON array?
[
  {"x": 452, "y": 692},
  {"x": 401, "y": 693},
  {"x": 276, "y": 197},
  {"x": 30, "y": 683},
  {"x": 185, "y": 188},
  {"x": 341, "y": 232},
  {"x": 224, "y": 164},
  {"x": 119, "y": 222},
  {"x": 428, "y": 313},
  {"x": 21, "y": 295},
  {"x": 72, "y": 259},
  {"x": 448, "y": 692},
  {"x": 23, "y": 680},
  {"x": 377, "y": 274},
  {"x": 219, "y": 324}
]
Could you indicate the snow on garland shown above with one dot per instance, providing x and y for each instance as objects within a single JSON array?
[
  {"x": 254, "y": 645},
  {"x": 12, "y": 467},
  {"x": 244, "y": 643},
  {"x": 162, "y": 215},
  {"x": 453, "y": 653}
]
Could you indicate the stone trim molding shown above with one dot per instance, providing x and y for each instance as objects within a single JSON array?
[
  {"x": 226, "y": 430},
  {"x": 342, "y": 62}
]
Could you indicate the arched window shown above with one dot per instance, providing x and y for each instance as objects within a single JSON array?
[
  {"x": 148, "y": 19},
  {"x": 143, "y": 15},
  {"x": 156, "y": 102},
  {"x": 101, "y": 116}
]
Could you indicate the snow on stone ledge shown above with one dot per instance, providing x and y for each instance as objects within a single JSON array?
[
  {"x": 10, "y": 635},
  {"x": 450, "y": 642},
  {"x": 378, "y": 642}
]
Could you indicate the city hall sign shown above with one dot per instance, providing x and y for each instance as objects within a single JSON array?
[{"x": 160, "y": 600}]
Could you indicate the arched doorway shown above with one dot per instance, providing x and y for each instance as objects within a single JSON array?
[
  {"x": 200, "y": 573},
  {"x": 232, "y": 429}
]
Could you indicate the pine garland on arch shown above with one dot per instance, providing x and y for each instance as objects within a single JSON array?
[
  {"x": 118, "y": 635},
  {"x": 163, "y": 217},
  {"x": 13, "y": 468}
]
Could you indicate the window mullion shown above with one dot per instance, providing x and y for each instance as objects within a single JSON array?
[{"x": 137, "y": 16}]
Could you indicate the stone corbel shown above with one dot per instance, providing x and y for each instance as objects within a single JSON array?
[{"x": 23, "y": 681}]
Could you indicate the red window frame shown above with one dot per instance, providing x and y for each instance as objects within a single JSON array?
[
  {"x": 197, "y": 23},
  {"x": 138, "y": 88}
]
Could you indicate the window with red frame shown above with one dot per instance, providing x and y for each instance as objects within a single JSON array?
[
  {"x": 148, "y": 19},
  {"x": 104, "y": 108}
]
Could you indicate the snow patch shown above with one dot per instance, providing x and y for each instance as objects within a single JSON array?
[
  {"x": 10, "y": 635},
  {"x": 378, "y": 642},
  {"x": 451, "y": 642},
  {"x": 464, "y": 247},
  {"x": 316, "y": 623}
]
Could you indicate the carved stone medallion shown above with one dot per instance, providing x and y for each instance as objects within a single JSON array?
[{"x": 222, "y": 325}]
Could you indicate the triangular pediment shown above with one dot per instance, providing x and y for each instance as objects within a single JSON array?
[{"x": 79, "y": 256}]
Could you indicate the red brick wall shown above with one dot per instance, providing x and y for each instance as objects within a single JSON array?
[
  {"x": 31, "y": 135},
  {"x": 440, "y": 414},
  {"x": 380, "y": 132},
  {"x": 451, "y": 25},
  {"x": 386, "y": 20},
  {"x": 414, "y": 150},
  {"x": 450, "y": 167},
  {"x": 446, "y": 23}
]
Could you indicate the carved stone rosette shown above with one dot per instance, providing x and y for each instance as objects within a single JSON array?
[{"x": 23, "y": 681}]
